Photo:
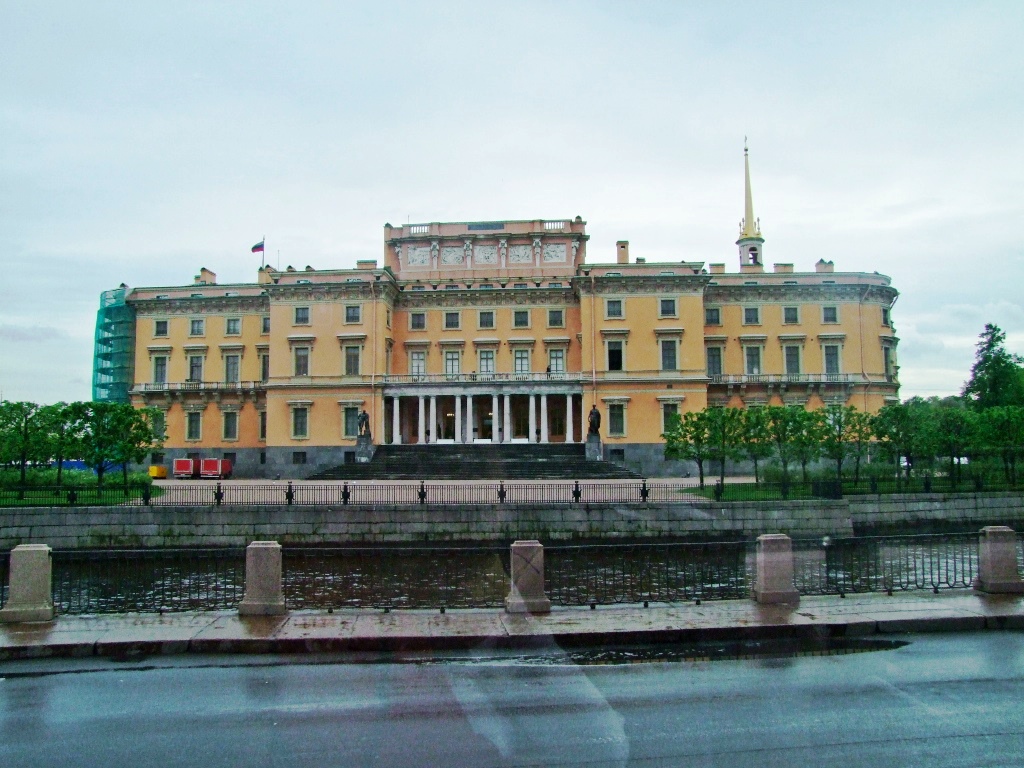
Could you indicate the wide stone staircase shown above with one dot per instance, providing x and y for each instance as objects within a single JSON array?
[{"x": 509, "y": 461}]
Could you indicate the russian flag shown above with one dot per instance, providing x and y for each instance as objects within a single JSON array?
[{"x": 258, "y": 248}]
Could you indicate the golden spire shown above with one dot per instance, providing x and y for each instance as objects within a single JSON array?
[{"x": 749, "y": 227}]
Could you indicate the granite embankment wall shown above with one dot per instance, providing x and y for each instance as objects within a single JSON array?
[{"x": 237, "y": 526}]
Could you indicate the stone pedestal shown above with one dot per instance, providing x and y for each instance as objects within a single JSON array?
[
  {"x": 364, "y": 449},
  {"x": 594, "y": 448},
  {"x": 775, "y": 570},
  {"x": 263, "y": 592},
  {"x": 30, "y": 597},
  {"x": 527, "y": 592},
  {"x": 997, "y": 561}
]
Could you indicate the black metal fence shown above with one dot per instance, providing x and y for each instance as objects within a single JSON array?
[
  {"x": 5, "y": 566},
  {"x": 71, "y": 495}
]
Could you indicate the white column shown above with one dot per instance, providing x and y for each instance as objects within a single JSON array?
[
  {"x": 543, "y": 418},
  {"x": 531, "y": 438},
  {"x": 508, "y": 419},
  {"x": 469, "y": 418},
  {"x": 458, "y": 418},
  {"x": 433, "y": 418},
  {"x": 495, "y": 420},
  {"x": 396, "y": 428},
  {"x": 421, "y": 426},
  {"x": 568, "y": 419}
]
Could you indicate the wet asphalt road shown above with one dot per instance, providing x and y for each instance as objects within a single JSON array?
[{"x": 943, "y": 700}]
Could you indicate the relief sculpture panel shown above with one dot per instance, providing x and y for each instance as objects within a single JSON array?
[
  {"x": 419, "y": 256},
  {"x": 486, "y": 254},
  {"x": 554, "y": 252},
  {"x": 453, "y": 254},
  {"x": 520, "y": 254}
]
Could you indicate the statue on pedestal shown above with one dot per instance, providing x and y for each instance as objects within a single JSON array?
[
  {"x": 364, "y": 424},
  {"x": 594, "y": 419}
]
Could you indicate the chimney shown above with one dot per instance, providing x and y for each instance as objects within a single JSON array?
[
  {"x": 717, "y": 269},
  {"x": 824, "y": 266},
  {"x": 622, "y": 251},
  {"x": 205, "y": 277},
  {"x": 784, "y": 268}
]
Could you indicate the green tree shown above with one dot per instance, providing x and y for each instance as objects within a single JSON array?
[
  {"x": 861, "y": 432},
  {"x": 1001, "y": 431},
  {"x": 955, "y": 434},
  {"x": 62, "y": 428},
  {"x": 808, "y": 439},
  {"x": 997, "y": 377},
  {"x": 20, "y": 436},
  {"x": 117, "y": 433},
  {"x": 687, "y": 438},
  {"x": 838, "y": 423},
  {"x": 725, "y": 429},
  {"x": 785, "y": 426},
  {"x": 754, "y": 438}
]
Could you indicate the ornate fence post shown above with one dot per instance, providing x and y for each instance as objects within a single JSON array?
[
  {"x": 263, "y": 593},
  {"x": 775, "y": 570},
  {"x": 527, "y": 590},
  {"x": 31, "y": 582},
  {"x": 997, "y": 561}
]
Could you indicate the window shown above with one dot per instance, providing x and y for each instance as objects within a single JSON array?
[
  {"x": 752, "y": 357},
  {"x": 831, "y": 353},
  {"x": 263, "y": 425},
  {"x": 233, "y": 326},
  {"x": 556, "y": 360},
  {"x": 830, "y": 314},
  {"x": 887, "y": 362},
  {"x": 350, "y": 421},
  {"x": 792, "y": 354},
  {"x": 485, "y": 286},
  {"x": 351, "y": 361},
  {"x": 451, "y": 287},
  {"x": 231, "y": 366},
  {"x": 157, "y": 458},
  {"x": 301, "y": 361},
  {"x": 263, "y": 457},
  {"x": 486, "y": 318},
  {"x": 302, "y": 316},
  {"x": 615, "y": 355},
  {"x": 264, "y": 368},
  {"x": 554, "y": 285},
  {"x": 667, "y": 308},
  {"x": 751, "y": 316},
  {"x": 451, "y": 320},
  {"x": 300, "y": 423},
  {"x": 616, "y": 419},
  {"x": 556, "y": 318},
  {"x": 668, "y": 410},
  {"x": 885, "y": 316},
  {"x": 790, "y": 315},
  {"x": 232, "y": 457},
  {"x": 265, "y": 325},
  {"x": 613, "y": 308},
  {"x": 668, "y": 355},
  {"x": 452, "y": 363},
  {"x": 520, "y": 285},
  {"x": 417, "y": 363},
  {"x": 418, "y": 288},
  {"x": 298, "y": 457},
  {"x": 195, "y": 368},
  {"x": 521, "y": 318},
  {"x": 353, "y": 314},
  {"x": 159, "y": 428},
  {"x": 160, "y": 369},
  {"x": 714, "y": 361},
  {"x": 196, "y": 327},
  {"x": 522, "y": 360},
  {"x": 160, "y": 327},
  {"x": 712, "y": 316},
  {"x": 194, "y": 425},
  {"x": 418, "y": 321},
  {"x": 231, "y": 425},
  {"x": 486, "y": 361}
]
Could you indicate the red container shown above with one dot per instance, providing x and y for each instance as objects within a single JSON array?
[
  {"x": 186, "y": 468},
  {"x": 215, "y": 469}
]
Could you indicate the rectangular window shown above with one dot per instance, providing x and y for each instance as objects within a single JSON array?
[
  {"x": 194, "y": 425},
  {"x": 613, "y": 308},
  {"x": 522, "y": 360},
  {"x": 387, "y": 317},
  {"x": 351, "y": 361},
  {"x": 353, "y": 314},
  {"x": 159, "y": 428},
  {"x": 230, "y": 425},
  {"x": 751, "y": 316},
  {"x": 417, "y": 321},
  {"x": 668, "y": 355},
  {"x": 830, "y": 314},
  {"x": 233, "y": 326},
  {"x": 792, "y": 360},
  {"x": 521, "y": 318},
  {"x": 264, "y": 368},
  {"x": 452, "y": 363},
  {"x": 159, "y": 369},
  {"x": 231, "y": 366},
  {"x": 300, "y": 422},
  {"x": 451, "y": 320},
  {"x": 486, "y": 318},
  {"x": 885, "y": 316},
  {"x": 887, "y": 362},
  {"x": 417, "y": 363},
  {"x": 714, "y": 361},
  {"x": 298, "y": 457},
  {"x": 196, "y": 327},
  {"x": 195, "y": 368},
  {"x": 159, "y": 327},
  {"x": 791, "y": 315},
  {"x": 350, "y": 421},
  {"x": 556, "y": 318},
  {"x": 668, "y": 410},
  {"x": 752, "y": 356},
  {"x": 263, "y": 425},
  {"x": 668, "y": 308},
  {"x": 556, "y": 360},
  {"x": 615, "y": 355},
  {"x": 616, "y": 419},
  {"x": 265, "y": 325},
  {"x": 302, "y": 316},
  {"x": 712, "y": 316},
  {"x": 301, "y": 361},
  {"x": 486, "y": 361},
  {"x": 831, "y": 359}
]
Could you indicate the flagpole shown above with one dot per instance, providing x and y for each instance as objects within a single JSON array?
[{"x": 263, "y": 253}]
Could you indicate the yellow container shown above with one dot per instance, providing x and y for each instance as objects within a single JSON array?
[{"x": 158, "y": 473}]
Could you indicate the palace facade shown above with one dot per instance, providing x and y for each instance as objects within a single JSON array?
[{"x": 493, "y": 331}]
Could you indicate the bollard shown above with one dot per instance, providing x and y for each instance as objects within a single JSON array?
[
  {"x": 263, "y": 593},
  {"x": 31, "y": 577},
  {"x": 997, "y": 561},
  {"x": 775, "y": 570},
  {"x": 527, "y": 589}
]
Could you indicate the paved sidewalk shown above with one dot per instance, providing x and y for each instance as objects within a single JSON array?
[{"x": 367, "y": 630}]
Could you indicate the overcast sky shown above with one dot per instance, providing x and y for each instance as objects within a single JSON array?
[{"x": 142, "y": 141}]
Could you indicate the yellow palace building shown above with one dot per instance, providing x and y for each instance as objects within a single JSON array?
[{"x": 488, "y": 332}]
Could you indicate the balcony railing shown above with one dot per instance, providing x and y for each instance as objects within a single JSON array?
[
  {"x": 472, "y": 378},
  {"x": 782, "y": 378},
  {"x": 200, "y": 386}
]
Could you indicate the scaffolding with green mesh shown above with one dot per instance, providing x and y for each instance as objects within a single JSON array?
[{"x": 114, "y": 351}]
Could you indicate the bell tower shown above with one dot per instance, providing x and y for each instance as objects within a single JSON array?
[{"x": 750, "y": 243}]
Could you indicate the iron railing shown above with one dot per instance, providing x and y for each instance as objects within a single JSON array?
[
  {"x": 5, "y": 570},
  {"x": 885, "y": 563},
  {"x": 69, "y": 495},
  {"x": 147, "y": 580},
  {"x": 395, "y": 577},
  {"x": 603, "y": 574}
]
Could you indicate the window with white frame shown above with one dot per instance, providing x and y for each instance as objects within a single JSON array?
[
  {"x": 712, "y": 316},
  {"x": 791, "y": 315},
  {"x": 521, "y": 318},
  {"x": 616, "y": 355},
  {"x": 752, "y": 360},
  {"x": 452, "y": 362},
  {"x": 667, "y": 308},
  {"x": 196, "y": 327},
  {"x": 668, "y": 355},
  {"x": 486, "y": 357},
  {"x": 350, "y": 421},
  {"x": 556, "y": 360},
  {"x": 521, "y": 360},
  {"x": 556, "y": 318},
  {"x": 791, "y": 352},
  {"x": 887, "y": 364},
  {"x": 232, "y": 364},
  {"x": 301, "y": 315},
  {"x": 194, "y": 425},
  {"x": 751, "y": 315},
  {"x": 263, "y": 425},
  {"x": 885, "y": 316},
  {"x": 195, "y": 368},
  {"x": 265, "y": 325},
  {"x": 159, "y": 425},
  {"x": 160, "y": 369},
  {"x": 233, "y": 326},
  {"x": 417, "y": 321},
  {"x": 301, "y": 361},
  {"x": 265, "y": 367},
  {"x": 418, "y": 362},
  {"x": 300, "y": 422},
  {"x": 352, "y": 360},
  {"x": 617, "y": 419},
  {"x": 668, "y": 411},
  {"x": 714, "y": 356},
  {"x": 485, "y": 319},
  {"x": 353, "y": 313},
  {"x": 451, "y": 321},
  {"x": 230, "y": 425},
  {"x": 159, "y": 327},
  {"x": 830, "y": 314},
  {"x": 613, "y": 308},
  {"x": 831, "y": 354}
]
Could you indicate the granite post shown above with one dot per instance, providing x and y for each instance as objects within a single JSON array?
[
  {"x": 997, "y": 561},
  {"x": 775, "y": 570},
  {"x": 31, "y": 578},
  {"x": 264, "y": 595},
  {"x": 527, "y": 592}
]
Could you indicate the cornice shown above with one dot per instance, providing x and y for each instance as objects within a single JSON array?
[
  {"x": 524, "y": 297},
  {"x": 652, "y": 284},
  {"x": 313, "y": 292},
  {"x": 874, "y": 294},
  {"x": 198, "y": 306}
]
